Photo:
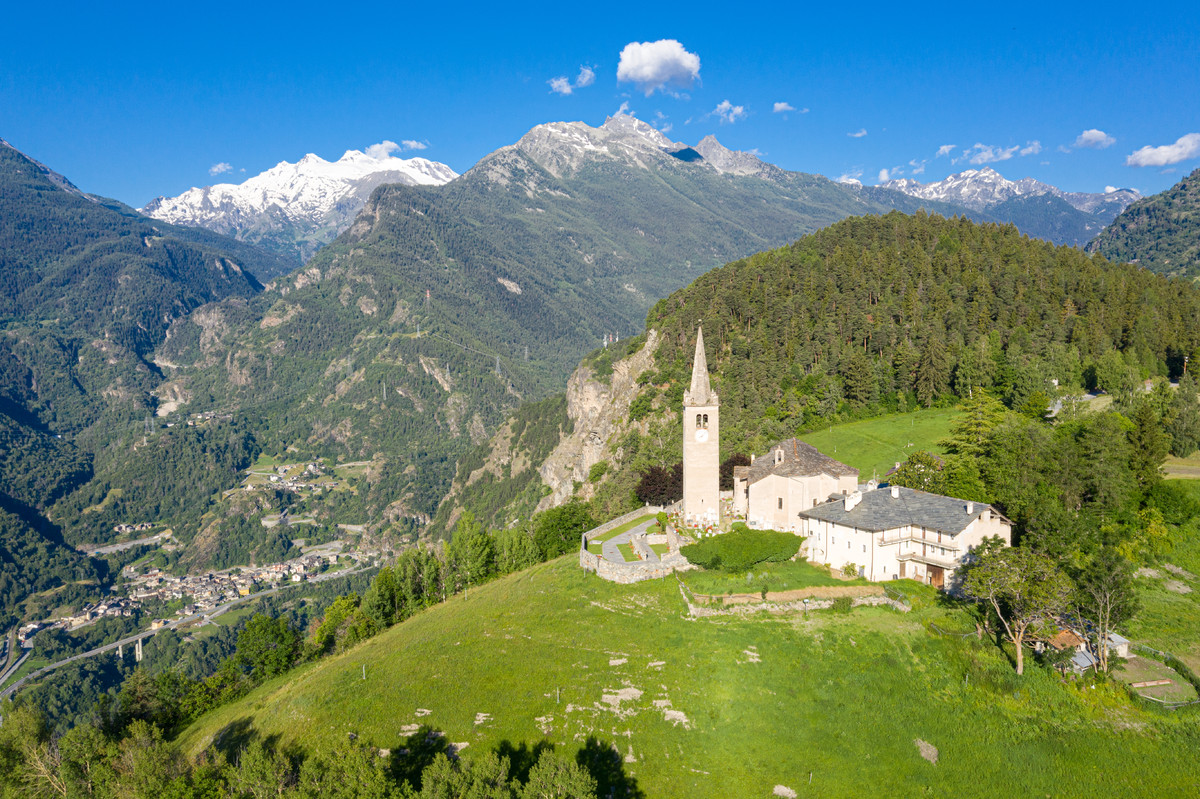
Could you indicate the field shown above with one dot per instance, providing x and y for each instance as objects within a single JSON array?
[
  {"x": 732, "y": 705},
  {"x": 874, "y": 446},
  {"x": 1183, "y": 468}
]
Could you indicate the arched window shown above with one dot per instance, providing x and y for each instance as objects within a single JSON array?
[
  {"x": 706, "y": 421},
  {"x": 699, "y": 419}
]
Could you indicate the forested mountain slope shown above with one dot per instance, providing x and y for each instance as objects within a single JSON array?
[
  {"x": 1160, "y": 233},
  {"x": 88, "y": 288},
  {"x": 868, "y": 315}
]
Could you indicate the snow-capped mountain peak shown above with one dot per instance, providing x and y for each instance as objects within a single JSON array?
[
  {"x": 296, "y": 208},
  {"x": 980, "y": 189}
]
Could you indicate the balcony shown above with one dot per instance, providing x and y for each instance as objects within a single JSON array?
[{"x": 945, "y": 561}]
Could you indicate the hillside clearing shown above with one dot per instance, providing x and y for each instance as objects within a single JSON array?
[
  {"x": 724, "y": 707},
  {"x": 874, "y": 446}
]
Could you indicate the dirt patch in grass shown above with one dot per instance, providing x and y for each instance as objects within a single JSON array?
[
  {"x": 1142, "y": 669},
  {"x": 1177, "y": 587}
]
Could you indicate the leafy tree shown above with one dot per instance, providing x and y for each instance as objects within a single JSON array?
[
  {"x": 662, "y": 486},
  {"x": 726, "y": 470},
  {"x": 1184, "y": 418},
  {"x": 922, "y": 471},
  {"x": 555, "y": 777},
  {"x": 1106, "y": 597},
  {"x": 267, "y": 646},
  {"x": 558, "y": 530},
  {"x": 515, "y": 550},
  {"x": 1022, "y": 589}
]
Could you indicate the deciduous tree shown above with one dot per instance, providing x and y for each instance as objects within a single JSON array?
[{"x": 1023, "y": 589}]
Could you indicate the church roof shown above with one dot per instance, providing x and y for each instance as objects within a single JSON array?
[
  {"x": 879, "y": 510},
  {"x": 797, "y": 459},
  {"x": 701, "y": 392}
]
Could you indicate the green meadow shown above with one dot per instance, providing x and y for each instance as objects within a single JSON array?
[
  {"x": 728, "y": 705},
  {"x": 876, "y": 445}
]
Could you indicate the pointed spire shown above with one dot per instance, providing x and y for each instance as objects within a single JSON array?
[{"x": 701, "y": 391}]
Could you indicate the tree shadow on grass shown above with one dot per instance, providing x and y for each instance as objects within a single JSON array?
[
  {"x": 604, "y": 763},
  {"x": 522, "y": 757},
  {"x": 416, "y": 753}
]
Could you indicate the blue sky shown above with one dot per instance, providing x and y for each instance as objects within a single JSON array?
[{"x": 137, "y": 102}]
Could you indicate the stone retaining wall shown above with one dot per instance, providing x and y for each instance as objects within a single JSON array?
[
  {"x": 796, "y": 594},
  {"x": 789, "y": 607},
  {"x": 635, "y": 572}
]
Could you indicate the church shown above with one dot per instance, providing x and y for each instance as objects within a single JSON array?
[{"x": 882, "y": 534}]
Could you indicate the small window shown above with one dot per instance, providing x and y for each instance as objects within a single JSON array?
[
  {"x": 706, "y": 421},
  {"x": 781, "y": 503},
  {"x": 699, "y": 421},
  {"x": 864, "y": 547}
]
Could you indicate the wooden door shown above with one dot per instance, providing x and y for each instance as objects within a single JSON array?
[{"x": 937, "y": 576}]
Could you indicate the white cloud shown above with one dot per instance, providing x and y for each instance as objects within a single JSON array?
[
  {"x": 918, "y": 166},
  {"x": 1185, "y": 147},
  {"x": 851, "y": 176},
  {"x": 1110, "y": 189},
  {"x": 883, "y": 176},
  {"x": 858, "y": 134},
  {"x": 1096, "y": 139},
  {"x": 945, "y": 149},
  {"x": 221, "y": 168},
  {"x": 624, "y": 109},
  {"x": 382, "y": 150},
  {"x": 656, "y": 65},
  {"x": 563, "y": 85},
  {"x": 728, "y": 112},
  {"x": 988, "y": 154},
  {"x": 412, "y": 144},
  {"x": 1031, "y": 148},
  {"x": 781, "y": 108}
]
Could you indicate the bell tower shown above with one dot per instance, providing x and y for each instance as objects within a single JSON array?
[{"x": 701, "y": 444}]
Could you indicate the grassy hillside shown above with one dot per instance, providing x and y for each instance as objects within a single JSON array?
[
  {"x": 874, "y": 446},
  {"x": 729, "y": 706}
]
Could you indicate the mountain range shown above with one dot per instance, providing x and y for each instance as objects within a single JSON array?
[
  {"x": 1037, "y": 209},
  {"x": 294, "y": 209}
]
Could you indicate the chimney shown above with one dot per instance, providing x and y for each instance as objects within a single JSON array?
[
  {"x": 851, "y": 501},
  {"x": 895, "y": 492},
  {"x": 970, "y": 507}
]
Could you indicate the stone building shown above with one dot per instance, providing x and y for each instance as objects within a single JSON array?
[
  {"x": 701, "y": 444},
  {"x": 900, "y": 532},
  {"x": 791, "y": 477}
]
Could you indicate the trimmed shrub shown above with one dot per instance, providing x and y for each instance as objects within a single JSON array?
[
  {"x": 743, "y": 548},
  {"x": 842, "y": 604}
]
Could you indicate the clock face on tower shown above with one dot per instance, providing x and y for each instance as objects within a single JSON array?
[{"x": 702, "y": 436}]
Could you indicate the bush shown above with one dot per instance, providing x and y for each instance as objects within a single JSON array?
[
  {"x": 743, "y": 548},
  {"x": 842, "y": 604}
]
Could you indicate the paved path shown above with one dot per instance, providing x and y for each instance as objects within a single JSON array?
[
  {"x": 217, "y": 611},
  {"x": 105, "y": 550},
  {"x": 609, "y": 549}
]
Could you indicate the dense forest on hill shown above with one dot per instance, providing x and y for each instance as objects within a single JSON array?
[
  {"x": 1161, "y": 233},
  {"x": 884, "y": 314},
  {"x": 892, "y": 310}
]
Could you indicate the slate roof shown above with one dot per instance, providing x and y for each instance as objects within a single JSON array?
[
  {"x": 799, "y": 460},
  {"x": 878, "y": 510}
]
